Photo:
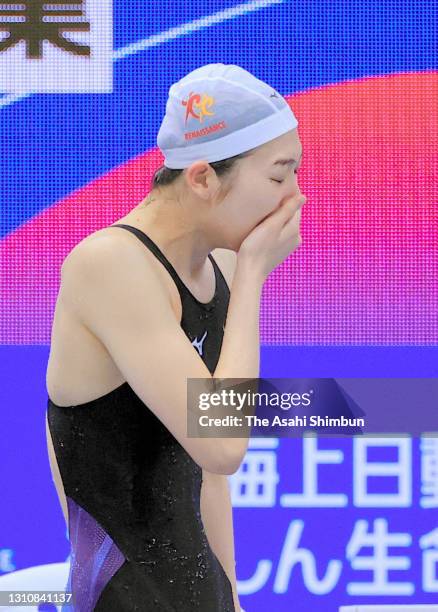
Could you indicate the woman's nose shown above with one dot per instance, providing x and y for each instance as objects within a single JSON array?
[{"x": 299, "y": 198}]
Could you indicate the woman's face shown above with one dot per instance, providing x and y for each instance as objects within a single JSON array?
[{"x": 259, "y": 186}]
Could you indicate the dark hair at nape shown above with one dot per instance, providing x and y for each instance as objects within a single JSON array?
[{"x": 165, "y": 176}]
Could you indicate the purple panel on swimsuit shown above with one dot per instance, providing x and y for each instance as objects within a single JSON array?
[{"x": 94, "y": 558}]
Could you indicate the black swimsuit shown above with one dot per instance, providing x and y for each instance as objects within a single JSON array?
[{"x": 133, "y": 492}]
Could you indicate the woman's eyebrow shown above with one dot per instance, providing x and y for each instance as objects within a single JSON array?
[{"x": 284, "y": 162}]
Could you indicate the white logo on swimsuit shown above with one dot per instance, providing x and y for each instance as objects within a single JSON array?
[{"x": 198, "y": 343}]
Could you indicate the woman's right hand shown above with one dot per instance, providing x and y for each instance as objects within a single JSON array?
[{"x": 274, "y": 238}]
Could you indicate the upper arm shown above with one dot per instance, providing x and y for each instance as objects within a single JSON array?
[{"x": 120, "y": 297}]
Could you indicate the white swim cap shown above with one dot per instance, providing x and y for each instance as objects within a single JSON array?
[{"x": 219, "y": 111}]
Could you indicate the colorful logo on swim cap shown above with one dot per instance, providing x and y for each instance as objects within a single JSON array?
[{"x": 199, "y": 102}]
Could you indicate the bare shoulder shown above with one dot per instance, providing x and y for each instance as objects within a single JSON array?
[
  {"x": 109, "y": 250},
  {"x": 115, "y": 259},
  {"x": 226, "y": 260},
  {"x": 84, "y": 248}
]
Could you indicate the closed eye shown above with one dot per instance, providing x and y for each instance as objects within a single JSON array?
[{"x": 282, "y": 181}]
